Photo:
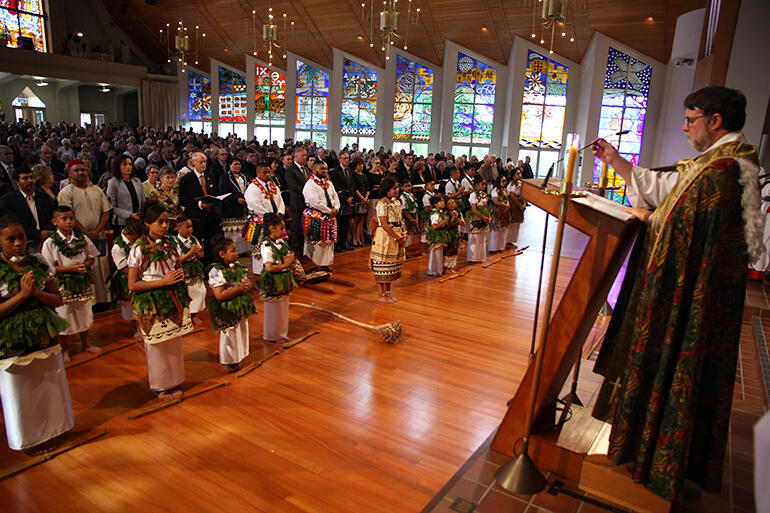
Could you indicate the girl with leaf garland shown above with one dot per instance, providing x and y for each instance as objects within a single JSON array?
[
  {"x": 518, "y": 205},
  {"x": 72, "y": 254},
  {"x": 33, "y": 384},
  {"x": 389, "y": 243},
  {"x": 501, "y": 215},
  {"x": 276, "y": 280},
  {"x": 478, "y": 222},
  {"x": 231, "y": 303},
  {"x": 118, "y": 280},
  {"x": 161, "y": 301},
  {"x": 455, "y": 223},
  {"x": 409, "y": 212},
  {"x": 190, "y": 251},
  {"x": 438, "y": 236},
  {"x": 430, "y": 191}
]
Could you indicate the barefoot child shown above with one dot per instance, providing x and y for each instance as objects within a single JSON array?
[
  {"x": 276, "y": 280},
  {"x": 478, "y": 218},
  {"x": 454, "y": 224},
  {"x": 161, "y": 301},
  {"x": 33, "y": 383},
  {"x": 118, "y": 280},
  {"x": 437, "y": 235},
  {"x": 190, "y": 251},
  {"x": 72, "y": 254},
  {"x": 231, "y": 303}
]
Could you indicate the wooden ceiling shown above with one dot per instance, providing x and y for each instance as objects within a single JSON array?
[{"x": 485, "y": 26}]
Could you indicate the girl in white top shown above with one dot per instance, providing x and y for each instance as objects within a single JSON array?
[
  {"x": 478, "y": 221},
  {"x": 276, "y": 280},
  {"x": 231, "y": 304},
  {"x": 161, "y": 301},
  {"x": 430, "y": 191},
  {"x": 132, "y": 230},
  {"x": 72, "y": 254},
  {"x": 518, "y": 205},
  {"x": 33, "y": 384},
  {"x": 190, "y": 252},
  {"x": 437, "y": 236}
]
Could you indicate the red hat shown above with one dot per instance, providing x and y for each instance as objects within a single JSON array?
[{"x": 75, "y": 162}]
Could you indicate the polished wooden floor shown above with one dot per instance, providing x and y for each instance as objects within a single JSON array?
[{"x": 339, "y": 423}]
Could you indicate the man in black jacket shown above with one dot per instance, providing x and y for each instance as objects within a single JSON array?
[
  {"x": 296, "y": 176},
  {"x": 342, "y": 180},
  {"x": 204, "y": 215},
  {"x": 34, "y": 210}
]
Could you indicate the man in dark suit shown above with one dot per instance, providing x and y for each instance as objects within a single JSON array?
[
  {"x": 526, "y": 169},
  {"x": 296, "y": 176},
  {"x": 204, "y": 215},
  {"x": 47, "y": 158},
  {"x": 405, "y": 168},
  {"x": 249, "y": 165},
  {"x": 34, "y": 210},
  {"x": 218, "y": 165},
  {"x": 343, "y": 184},
  {"x": 100, "y": 160}
]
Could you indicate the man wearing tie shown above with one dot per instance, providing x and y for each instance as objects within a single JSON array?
[
  {"x": 319, "y": 218},
  {"x": 204, "y": 216},
  {"x": 342, "y": 180},
  {"x": 262, "y": 196},
  {"x": 430, "y": 162},
  {"x": 34, "y": 211},
  {"x": 296, "y": 176}
]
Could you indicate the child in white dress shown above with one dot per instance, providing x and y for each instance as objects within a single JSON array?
[
  {"x": 190, "y": 252},
  {"x": 231, "y": 303},
  {"x": 276, "y": 280},
  {"x": 72, "y": 254},
  {"x": 118, "y": 280}
]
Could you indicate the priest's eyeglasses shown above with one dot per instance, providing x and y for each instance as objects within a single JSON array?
[{"x": 689, "y": 120}]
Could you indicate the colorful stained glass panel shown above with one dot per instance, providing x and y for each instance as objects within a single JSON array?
[
  {"x": 311, "y": 81},
  {"x": 23, "y": 18},
  {"x": 475, "y": 83},
  {"x": 232, "y": 96},
  {"x": 359, "y": 104},
  {"x": 545, "y": 98},
  {"x": 413, "y": 97},
  {"x": 199, "y": 96},
  {"x": 312, "y": 86},
  {"x": 269, "y": 96}
]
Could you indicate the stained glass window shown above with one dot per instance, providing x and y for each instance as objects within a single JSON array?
[
  {"x": 624, "y": 107},
  {"x": 199, "y": 97},
  {"x": 232, "y": 103},
  {"x": 542, "y": 114},
  {"x": 270, "y": 102},
  {"x": 359, "y": 103},
  {"x": 474, "y": 105},
  {"x": 413, "y": 98},
  {"x": 312, "y": 120},
  {"x": 23, "y": 18}
]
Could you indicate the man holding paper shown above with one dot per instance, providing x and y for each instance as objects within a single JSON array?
[
  {"x": 670, "y": 354},
  {"x": 204, "y": 214}
]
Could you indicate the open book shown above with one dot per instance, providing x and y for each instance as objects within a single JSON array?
[
  {"x": 604, "y": 205},
  {"x": 212, "y": 199}
]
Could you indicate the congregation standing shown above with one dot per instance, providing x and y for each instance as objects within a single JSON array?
[{"x": 154, "y": 219}]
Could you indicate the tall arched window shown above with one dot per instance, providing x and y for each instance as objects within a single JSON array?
[
  {"x": 270, "y": 102},
  {"x": 232, "y": 103},
  {"x": 359, "y": 105},
  {"x": 312, "y": 104},
  {"x": 542, "y": 114},
  {"x": 474, "y": 107},
  {"x": 624, "y": 107},
  {"x": 412, "y": 107},
  {"x": 199, "y": 101},
  {"x": 23, "y": 19}
]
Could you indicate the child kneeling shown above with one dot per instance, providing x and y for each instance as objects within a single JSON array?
[
  {"x": 231, "y": 304},
  {"x": 276, "y": 280}
]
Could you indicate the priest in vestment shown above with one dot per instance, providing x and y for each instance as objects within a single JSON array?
[{"x": 670, "y": 355}]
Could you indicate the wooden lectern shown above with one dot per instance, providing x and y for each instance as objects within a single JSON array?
[{"x": 610, "y": 239}]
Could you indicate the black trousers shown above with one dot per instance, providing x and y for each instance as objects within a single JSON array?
[
  {"x": 296, "y": 237},
  {"x": 343, "y": 226}
]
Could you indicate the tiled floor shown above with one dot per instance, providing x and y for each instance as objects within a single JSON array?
[{"x": 474, "y": 488}]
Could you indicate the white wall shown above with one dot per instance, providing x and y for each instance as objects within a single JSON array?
[
  {"x": 749, "y": 68},
  {"x": 517, "y": 67},
  {"x": 448, "y": 95}
]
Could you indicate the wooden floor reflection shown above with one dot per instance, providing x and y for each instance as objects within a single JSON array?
[{"x": 340, "y": 423}]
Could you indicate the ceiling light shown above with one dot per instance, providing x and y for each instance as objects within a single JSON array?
[
  {"x": 104, "y": 88},
  {"x": 41, "y": 82},
  {"x": 80, "y": 34}
]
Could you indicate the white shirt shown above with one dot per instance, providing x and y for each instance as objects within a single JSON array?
[
  {"x": 468, "y": 184},
  {"x": 32, "y": 207},
  {"x": 154, "y": 270},
  {"x": 452, "y": 187},
  {"x": 435, "y": 218},
  {"x": 217, "y": 278},
  {"x": 426, "y": 198},
  {"x": 119, "y": 256},
  {"x": 267, "y": 253},
  {"x": 5, "y": 293},
  {"x": 55, "y": 258},
  {"x": 257, "y": 202},
  {"x": 474, "y": 199},
  {"x": 188, "y": 242},
  {"x": 315, "y": 198},
  {"x": 404, "y": 205},
  {"x": 648, "y": 188}
]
